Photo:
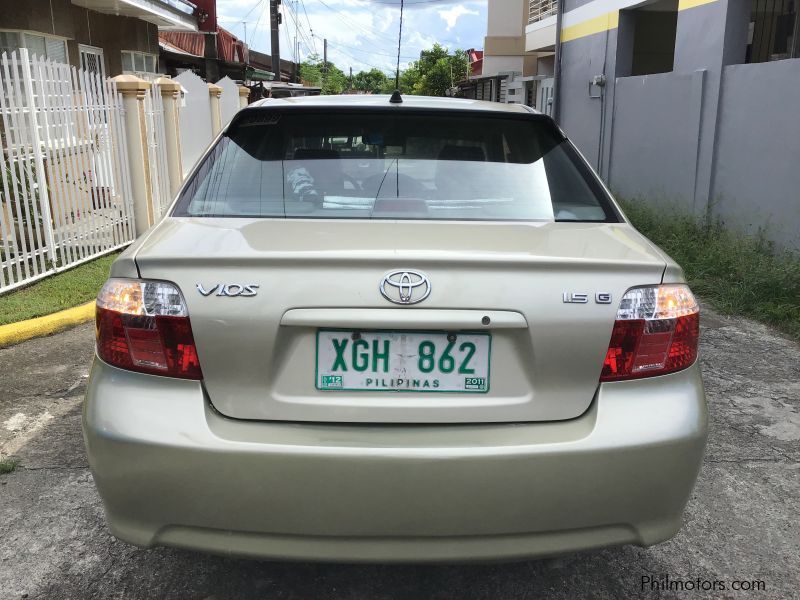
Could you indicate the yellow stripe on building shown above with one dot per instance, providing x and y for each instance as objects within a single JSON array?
[
  {"x": 684, "y": 4},
  {"x": 610, "y": 20}
]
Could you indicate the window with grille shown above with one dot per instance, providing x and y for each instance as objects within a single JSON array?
[
  {"x": 773, "y": 31},
  {"x": 43, "y": 46},
  {"x": 92, "y": 60},
  {"x": 541, "y": 9},
  {"x": 139, "y": 63}
]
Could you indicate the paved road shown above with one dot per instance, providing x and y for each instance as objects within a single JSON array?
[{"x": 741, "y": 524}]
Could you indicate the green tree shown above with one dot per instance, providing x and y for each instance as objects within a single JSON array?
[
  {"x": 435, "y": 72},
  {"x": 328, "y": 76},
  {"x": 374, "y": 81}
]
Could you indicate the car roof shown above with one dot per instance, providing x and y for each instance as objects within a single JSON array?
[{"x": 368, "y": 101}]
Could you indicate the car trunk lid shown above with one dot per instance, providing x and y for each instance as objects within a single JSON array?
[{"x": 523, "y": 284}]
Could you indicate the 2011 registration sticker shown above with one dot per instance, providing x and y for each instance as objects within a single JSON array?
[{"x": 403, "y": 361}]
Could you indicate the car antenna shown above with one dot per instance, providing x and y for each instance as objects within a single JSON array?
[{"x": 396, "y": 97}]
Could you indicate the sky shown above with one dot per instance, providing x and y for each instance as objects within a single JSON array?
[{"x": 361, "y": 34}]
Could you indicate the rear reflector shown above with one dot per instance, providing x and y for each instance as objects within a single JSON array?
[
  {"x": 656, "y": 332},
  {"x": 144, "y": 326}
]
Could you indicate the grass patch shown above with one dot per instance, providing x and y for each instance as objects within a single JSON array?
[
  {"x": 8, "y": 465},
  {"x": 57, "y": 292},
  {"x": 736, "y": 273}
]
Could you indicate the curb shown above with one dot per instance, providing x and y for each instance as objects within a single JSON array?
[{"x": 14, "y": 333}]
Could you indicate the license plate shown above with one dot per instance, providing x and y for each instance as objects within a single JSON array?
[{"x": 403, "y": 361}]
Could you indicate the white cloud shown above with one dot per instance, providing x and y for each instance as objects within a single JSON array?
[
  {"x": 452, "y": 15},
  {"x": 360, "y": 33}
]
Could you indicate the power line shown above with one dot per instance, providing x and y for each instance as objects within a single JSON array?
[
  {"x": 249, "y": 12},
  {"x": 288, "y": 39},
  {"x": 301, "y": 34},
  {"x": 353, "y": 23},
  {"x": 398, "y": 3},
  {"x": 310, "y": 28},
  {"x": 370, "y": 51},
  {"x": 255, "y": 29},
  {"x": 355, "y": 58}
]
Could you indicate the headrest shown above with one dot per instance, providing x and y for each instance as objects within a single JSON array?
[
  {"x": 473, "y": 153},
  {"x": 315, "y": 153}
]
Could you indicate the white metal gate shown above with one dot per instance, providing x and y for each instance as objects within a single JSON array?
[
  {"x": 65, "y": 193},
  {"x": 544, "y": 96}
]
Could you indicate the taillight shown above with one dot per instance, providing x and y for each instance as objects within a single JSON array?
[
  {"x": 656, "y": 332},
  {"x": 144, "y": 326}
]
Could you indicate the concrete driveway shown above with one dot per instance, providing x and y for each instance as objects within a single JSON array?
[{"x": 741, "y": 525}]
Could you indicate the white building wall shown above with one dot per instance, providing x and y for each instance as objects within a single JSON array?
[
  {"x": 492, "y": 65},
  {"x": 504, "y": 18}
]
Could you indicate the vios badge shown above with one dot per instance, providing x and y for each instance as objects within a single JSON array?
[
  {"x": 230, "y": 289},
  {"x": 405, "y": 287}
]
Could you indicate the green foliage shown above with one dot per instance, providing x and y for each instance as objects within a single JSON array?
[
  {"x": 25, "y": 218},
  {"x": 435, "y": 72},
  {"x": 374, "y": 81},
  {"x": 329, "y": 77},
  {"x": 734, "y": 272},
  {"x": 60, "y": 291},
  {"x": 8, "y": 465}
]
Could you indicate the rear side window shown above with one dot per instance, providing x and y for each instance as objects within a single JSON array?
[{"x": 396, "y": 165}]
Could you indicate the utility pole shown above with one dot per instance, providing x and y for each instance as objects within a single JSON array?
[
  {"x": 274, "y": 22},
  {"x": 324, "y": 61},
  {"x": 351, "y": 79}
]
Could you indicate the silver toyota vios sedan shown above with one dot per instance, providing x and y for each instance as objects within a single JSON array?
[{"x": 394, "y": 331}]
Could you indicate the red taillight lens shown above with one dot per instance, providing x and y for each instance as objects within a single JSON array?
[
  {"x": 144, "y": 326},
  {"x": 656, "y": 332}
]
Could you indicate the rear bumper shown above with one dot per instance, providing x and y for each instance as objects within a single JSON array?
[{"x": 172, "y": 471}]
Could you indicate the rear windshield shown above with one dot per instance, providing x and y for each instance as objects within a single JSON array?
[{"x": 394, "y": 166}]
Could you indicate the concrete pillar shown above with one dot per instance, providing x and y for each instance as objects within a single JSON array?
[
  {"x": 170, "y": 94},
  {"x": 133, "y": 91},
  {"x": 709, "y": 37},
  {"x": 211, "y": 55},
  {"x": 244, "y": 96},
  {"x": 214, "y": 94}
]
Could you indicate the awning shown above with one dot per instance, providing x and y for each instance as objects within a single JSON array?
[
  {"x": 254, "y": 74},
  {"x": 164, "y": 13}
]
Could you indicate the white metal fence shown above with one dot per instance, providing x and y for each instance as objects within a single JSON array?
[
  {"x": 157, "y": 151},
  {"x": 65, "y": 189}
]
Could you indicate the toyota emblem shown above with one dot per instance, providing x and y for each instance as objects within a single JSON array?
[{"x": 405, "y": 287}]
